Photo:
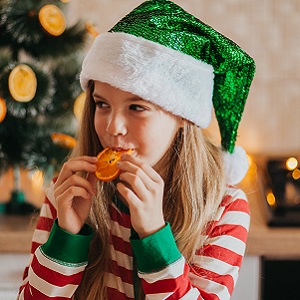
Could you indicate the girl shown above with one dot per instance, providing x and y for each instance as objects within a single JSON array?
[{"x": 171, "y": 226}]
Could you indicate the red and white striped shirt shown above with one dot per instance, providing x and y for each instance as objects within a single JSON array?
[{"x": 59, "y": 258}]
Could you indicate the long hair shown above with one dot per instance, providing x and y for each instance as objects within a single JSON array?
[{"x": 194, "y": 186}]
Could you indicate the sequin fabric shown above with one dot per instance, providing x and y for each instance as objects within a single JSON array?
[{"x": 166, "y": 23}]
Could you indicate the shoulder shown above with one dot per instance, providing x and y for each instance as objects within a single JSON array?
[
  {"x": 232, "y": 193},
  {"x": 234, "y": 199},
  {"x": 234, "y": 208}
]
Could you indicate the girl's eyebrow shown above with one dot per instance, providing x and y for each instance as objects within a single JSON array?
[
  {"x": 97, "y": 96},
  {"x": 136, "y": 98},
  {"x": 133, "y": 98}
]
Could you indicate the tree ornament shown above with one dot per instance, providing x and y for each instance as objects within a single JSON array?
[
  {"x": 52, "y": 19},
  {"x": 63, "y": 140},
  {"x": 78, "y": 106},
  {"x": 2, "y": 109},
  {"x": 22, "y": 83}
]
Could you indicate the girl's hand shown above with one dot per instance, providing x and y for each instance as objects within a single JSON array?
[
  {"x": 74, "y": 194},
  {"x": 142, "y": 187}
]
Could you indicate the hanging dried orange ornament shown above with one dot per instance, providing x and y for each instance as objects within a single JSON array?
[
  {"x": 52, "y": 19},
  {"x": 2, "y": 109},
  {"x": 63, "y": 140},
  {"x": 22, "y": 83},
  {"x": 78, "y": 106}
]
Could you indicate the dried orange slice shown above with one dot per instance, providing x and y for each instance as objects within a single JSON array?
[
  {"x": 63, "y": 140},
  {"x": 2, "y": 109},
  {"x": 107, "y": 169},
  {"x": 52, "y": 19},
  {"x": 22, "y": 83}
]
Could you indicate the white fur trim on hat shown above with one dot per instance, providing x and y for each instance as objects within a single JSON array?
[
  {"x": 236, "y": 165},
  {"x": 175, "y": 81}
]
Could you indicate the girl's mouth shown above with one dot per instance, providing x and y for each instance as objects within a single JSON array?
[{"x": 118, "y": 149}]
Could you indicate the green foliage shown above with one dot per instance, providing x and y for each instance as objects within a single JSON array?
[
  {"x": 21, "y": 29},
  {"x": 25, "y": 132}
]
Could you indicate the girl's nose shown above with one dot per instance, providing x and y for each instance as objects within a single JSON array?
[{"x": 116, "y": 125}]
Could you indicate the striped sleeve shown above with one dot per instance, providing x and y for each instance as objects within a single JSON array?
[
  {"x": 58, "y": 258},
  {"x": 214, "y": 270}
]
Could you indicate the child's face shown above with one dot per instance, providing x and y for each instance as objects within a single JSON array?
[{"x": 124, "y": 120}]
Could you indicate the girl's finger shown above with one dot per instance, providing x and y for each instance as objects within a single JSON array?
[
  {"x": 65, "y": 199},
  {"x": 134, "y": 162},
  {"x": 82, "y": 164},
  {"x": 141, "y": 184},
  {"x": 128, "y": 194},
  {"x": 76, "y": 181},
  {"x": 135, "y": 183}
]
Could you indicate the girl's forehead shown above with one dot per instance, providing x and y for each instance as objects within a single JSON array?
[
  {"x": 108, "y": 92},
  {"x": 105, "y": 91}
]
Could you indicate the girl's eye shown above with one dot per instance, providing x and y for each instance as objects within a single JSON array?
[
  {"x": 137, "y": 107},
  {"x": 101, "y": 104}
]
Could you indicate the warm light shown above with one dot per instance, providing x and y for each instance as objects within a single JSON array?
[
  {"x": 37, "y": 180},
  {"x": 291, "y": 163},
  {"x": 252, "y": 164},
  {"x": 78, "y": 106},
  {"x": 91, "y": 29},
  {"x": 250, "y": 160},
  {"x": 3, "y": 109},
  {"x": 271, "y": 199},
  {"x": 296, "y": 174}
]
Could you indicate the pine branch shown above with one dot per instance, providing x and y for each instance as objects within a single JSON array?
[
  {"x": 22, "y": 30},
  {"x": 25, "y": 132},
  {"x": 12, "y": 142},
  {"x": 67, "y": 85},
  {"x": 72, "y": 40},
  {"x": 42, "y": 153}
]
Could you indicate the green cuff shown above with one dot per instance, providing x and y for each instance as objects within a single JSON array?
[
  {"x": 68, "y": 248},
  {"x": 155, "y": 252}
]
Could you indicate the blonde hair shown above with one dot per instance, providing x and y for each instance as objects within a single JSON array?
[{"x": 194, "y": 186}]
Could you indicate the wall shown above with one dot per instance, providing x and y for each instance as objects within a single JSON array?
[{"x": 269, "y": 31}]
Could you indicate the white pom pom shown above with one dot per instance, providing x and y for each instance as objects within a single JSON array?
[{"x": 236, "y": 165}]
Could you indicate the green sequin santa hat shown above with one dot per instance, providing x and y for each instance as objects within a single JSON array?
[{"x": 167, "y": 56}]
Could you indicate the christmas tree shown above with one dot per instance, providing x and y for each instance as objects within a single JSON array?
[{"x": 39, "y": 87}]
